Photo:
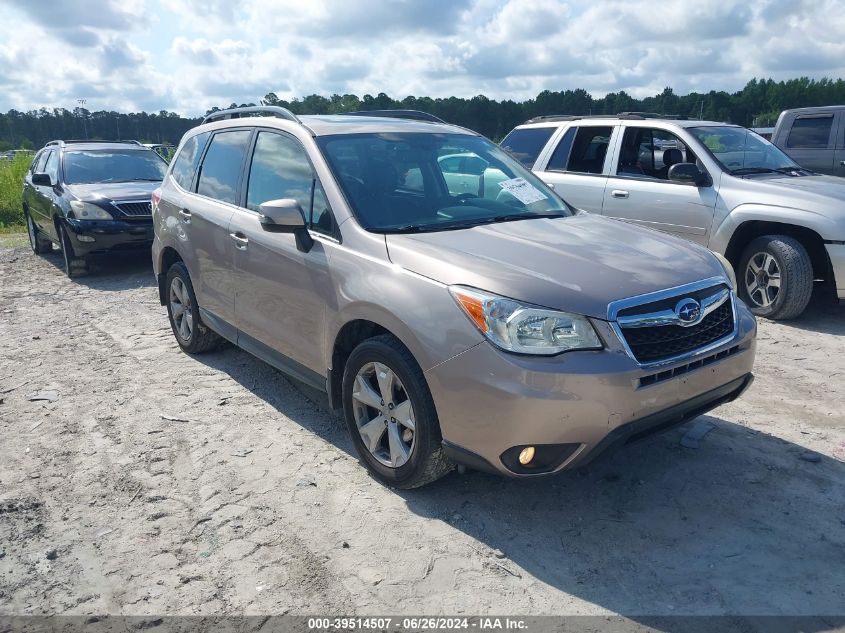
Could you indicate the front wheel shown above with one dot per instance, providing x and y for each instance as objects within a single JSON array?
[
  {"x": 391, "y": 416},
  {"x": 776, "y": 277},
  {"x": 74, "y": 266}
]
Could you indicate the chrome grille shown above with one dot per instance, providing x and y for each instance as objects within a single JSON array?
[
  {"x": 674, "y": 325},
  {"x": 135, "y": 209}
]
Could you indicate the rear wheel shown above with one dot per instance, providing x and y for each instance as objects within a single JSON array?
[
  {"x": 74, "y": 265},
  {"x": 39, "y": 243},
  {"x": 776, "y": 277},
  {"x": 391, "y": 416},
  {"x": 191, "y": 333}
]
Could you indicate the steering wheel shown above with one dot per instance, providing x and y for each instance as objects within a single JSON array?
[
  {"x": 463, "y": 197},
  {"x": 734, "y": 164}
]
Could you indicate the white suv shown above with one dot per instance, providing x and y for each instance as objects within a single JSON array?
[{"x": 721, "y": 185}]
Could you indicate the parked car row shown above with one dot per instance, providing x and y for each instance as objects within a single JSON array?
[{"x": 453, "y": 304}]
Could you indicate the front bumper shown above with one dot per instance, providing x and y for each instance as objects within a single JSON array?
[
  {"x": 836, "y": 253},
  {"x": 490, "y": 402},
  {"x": 109, "y": 235}
]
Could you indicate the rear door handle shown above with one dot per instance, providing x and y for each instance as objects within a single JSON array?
[
  {"x": 842, "y": 162},
  {"x": 241, "y": 240},
  {"x": 618, "y": 193},
  {"x": 186, "y": 215}
]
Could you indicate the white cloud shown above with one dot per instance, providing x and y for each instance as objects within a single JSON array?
[{"x": 189, "y": 55}]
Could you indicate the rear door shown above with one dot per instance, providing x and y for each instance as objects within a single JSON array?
[
  {"x": 639, "y": 189},
  {"x": 282, "y": 292},
  {"x": 31, "y": 194},
  {"x": 204, "y": 221},
  {"x": 811, "y": 140},
  {"x": 576, "y": 165}
]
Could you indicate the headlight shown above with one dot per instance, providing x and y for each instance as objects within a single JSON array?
[
  {"x": 88, "y": 211},
  {"x": 525, "y": 329},
  {"x": 729, "y": 270}
]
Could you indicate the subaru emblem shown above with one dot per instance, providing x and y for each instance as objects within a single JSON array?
[{"x": 688, "y": 311}]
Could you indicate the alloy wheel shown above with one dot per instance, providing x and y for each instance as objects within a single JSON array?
[
  {"x": 181, "y": 309},
  {"x": 384, "y": 414},
  {"x": 762, "y": 279}
]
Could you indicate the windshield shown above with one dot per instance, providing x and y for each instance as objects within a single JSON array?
[
  {"x": 741, "y": 151},
  {"x": 434, "y": 182},
  {"x": 113, "y": 166}
]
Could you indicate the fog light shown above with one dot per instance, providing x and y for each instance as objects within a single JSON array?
[
  {"x": 85, "y": 238},
  {"x": 526, "y": 455}
]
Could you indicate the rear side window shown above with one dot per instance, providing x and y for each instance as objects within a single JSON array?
[
  {"x": 589, "y": 150},
  {"x": 810, "y": 132},
  {"x": 525, "y": 144},
  {"x": 38, "y": 166},
  {"x": 560, "y": 157},
  {"x": 185, "y": 164},
  {"x": 221, "y": 167}
]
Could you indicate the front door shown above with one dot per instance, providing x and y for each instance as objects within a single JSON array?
[
  {"x": 639, "y": 189},
  {"x": 282, "y": 292}
]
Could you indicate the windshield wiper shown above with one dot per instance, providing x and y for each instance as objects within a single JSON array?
[
  {"x": 453, "y": 226},
  {"x": 742, "y": 171}
]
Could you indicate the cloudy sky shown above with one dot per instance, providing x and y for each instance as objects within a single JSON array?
[{"x": 188, "y": 55}]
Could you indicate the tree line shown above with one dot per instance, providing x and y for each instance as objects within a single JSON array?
[{"x": 756, "y": 105}]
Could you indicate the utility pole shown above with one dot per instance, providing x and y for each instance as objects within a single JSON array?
[
  {"x": 82, "y": 103},
  {"x": 117, "y": 118}
]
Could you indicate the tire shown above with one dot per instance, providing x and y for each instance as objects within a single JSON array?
[
  {"x": 40, "y": 245},
  {"x": 74, "y": 266},
  {"x": 191, "y": 333},
  {"x": 785, "y": 257},
  {"x": 425, "y": 460}
]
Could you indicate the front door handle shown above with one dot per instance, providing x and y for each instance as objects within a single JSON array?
[
  {"x": 186, "y": 215},
  {"x": 241, "y": 240},
  {"x": 618, "y": 193},
  {"x": 842, "y": 162}
]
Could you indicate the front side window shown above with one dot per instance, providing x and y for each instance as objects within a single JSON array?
[
  {"x": 281, "y": 169},
  {"x": 51, "y": 167},
  {"x": 650, "y": 153},
  {"x": 810, "y": 132},
  {"x": 741, "y": 151},
  {"x": 589, "y": 149},
  {"x": 91, "y": 166},
  {"x": 185, "y": 165},
  {"x": 400, "y": 182},
  {"x": 221, "y": 167},
  {"x": 525, "y": 144},
  {"x": 560, "y": 157}
]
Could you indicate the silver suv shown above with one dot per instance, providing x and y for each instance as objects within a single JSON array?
[
  {"x": 491, "y": 326},
  {"x": 721, "y": 185}
]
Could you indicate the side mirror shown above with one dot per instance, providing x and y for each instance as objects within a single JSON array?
[
  {"x": 687, "y": 174},
  {"x": 40, "y": 179},
  {"x": 286, "y": 216}
]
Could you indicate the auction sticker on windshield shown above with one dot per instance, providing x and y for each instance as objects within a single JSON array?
[{"x": 522, "y": 190}]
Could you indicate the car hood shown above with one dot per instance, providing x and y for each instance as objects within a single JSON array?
[
  {"x": 139, "y": 190},
  {"x": 822, "y": 194},
  {"x": 579, "y": 264}
]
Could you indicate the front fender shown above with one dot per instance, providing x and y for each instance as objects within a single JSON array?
[{"x": 812, "y": 220}]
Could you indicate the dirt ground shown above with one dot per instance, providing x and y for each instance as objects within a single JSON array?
[{"x": 137, "y": 480}]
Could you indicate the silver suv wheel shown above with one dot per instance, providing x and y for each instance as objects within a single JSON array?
[
  {"x": 762, "y": 279},
  {"x": 383, "y": 414},
  {"x": 181, "y": 309}
]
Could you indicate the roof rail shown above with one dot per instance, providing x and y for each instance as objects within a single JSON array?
[
  {"x": 236, "y": 113},
  {"x": 575, "y": 117},
  {"x": 63, "y": 142},
  {"x": 654, "y": 115},
  {"x": 416, "y": 115}
]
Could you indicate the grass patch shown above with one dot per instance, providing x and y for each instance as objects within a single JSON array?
[
  {"x": 9, "y": 239},
  {"x": 11, "y": 186}
]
